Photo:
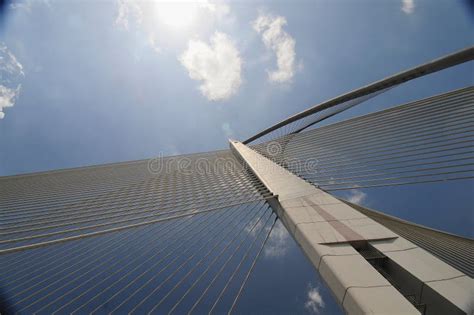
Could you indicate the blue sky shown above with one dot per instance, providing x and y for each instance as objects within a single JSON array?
[{"x": 109, "y": 81}]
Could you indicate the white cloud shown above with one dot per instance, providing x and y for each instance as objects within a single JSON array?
[
  {"x": 218, "y": 65},
  {"x": 220, "y": 9},
  {"x": 9, "y": 66},
  {"x": 149, "y": 16},
  {"x": 128, "y": 10},
  {"x": 356, "y": 196},
  {"x": 314, "y": 302},
  {"x": 408, "y": 6},
  {"x": 280, "y": 42},
  {"x": 11, "y": 71},
  {"x": 7, "y": 98},
  {"x": 279, "y": 241}
]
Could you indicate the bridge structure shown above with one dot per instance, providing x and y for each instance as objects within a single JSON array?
[{"x": 183, "y": 234}]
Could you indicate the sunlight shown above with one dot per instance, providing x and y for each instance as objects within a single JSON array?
[{"x": 177, "y": 15}]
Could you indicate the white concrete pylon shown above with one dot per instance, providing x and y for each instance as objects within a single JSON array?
[{"x": 327, "y": 229}]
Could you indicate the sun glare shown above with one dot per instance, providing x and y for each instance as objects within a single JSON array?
[{"x": 178, "y": 14}]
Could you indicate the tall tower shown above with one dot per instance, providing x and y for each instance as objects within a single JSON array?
[
  {"x": 369, "y": 267},
  {"x": 183, "y": 234}
]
